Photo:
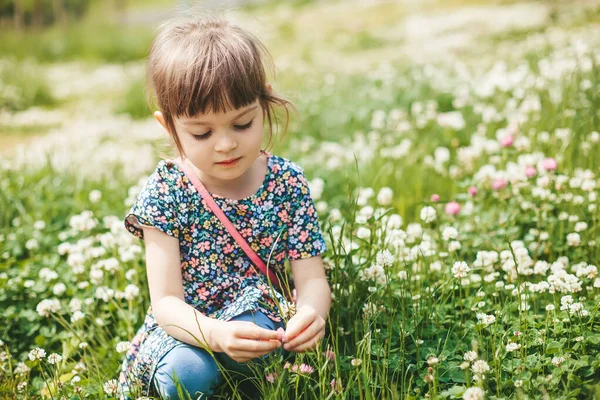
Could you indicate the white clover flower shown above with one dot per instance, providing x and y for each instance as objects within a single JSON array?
[
  {"x": 470, "y": 356},
  {"x": 449, "y": 233},
  {"x": 39, "y": 225},
  {"x": 385, "y": 196},
  {"x": 402, "y": 275},
  {"x": 428, "y": 214},
  {"x": 432, "y": 360},
  {"x": 131, "y": 291},
  {"x": 385, "y": 258},
  {"x": 363, "y": 233},
  {"x": 48, "y": 306},
  {"x": 59, "y": 289},
  {"x": 557, "y": 361},
  {"x": 77, "y": 316},
  {"x": 474, "y": 393},
  {"x": 21, "y": 368},
  {"x": 122, "y": 347},
  {"x": 356, "y": 362},
  {"x": 111, "y": 387},
  {"x": 573, "y": 239},
  {"x": 460, "y": 269},
  {"x": 54, "y": 358},
  {"x": 580, "y": 227},
  {"x": 512, "y": 346},
  {"x": 21, "y": 386},
  {"x": 454, "y": 246},
  {"x": 518, "y": 383},
  {"x": 394, "y": 221},
  {"x": 31, "y": 244},
  {"x": 480, "y": 367},
  {"x": 37, "y": 354},
  {"x": 95, "y": 196}
]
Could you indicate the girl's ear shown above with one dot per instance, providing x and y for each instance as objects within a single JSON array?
[
  {"x": 161, "y": 119},
  {"x": 269, "y": 87}
]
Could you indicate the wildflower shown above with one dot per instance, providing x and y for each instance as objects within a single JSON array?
[
  {"x": 579, "y": 339},
  {"x": 329, "y": 354},
  {"x": 435, "y": 198},
  {"x": 452, "y": 208},
  {"x": 550, "y": 307},
  {"x": 470, "y": 356},
  {"x": 473, "y": 393},
  {"x": 95, "y": 196},
  {"x": 385, "y": 196},
  {"x": 363, "y": 233},
  {"x": 83, "y": 345},
  {"x": 21, "y": 386},
  {"x": 110, "y": 387},
  {"x": 39, "y": 225},
  {"x": 512, "y": 346},
  {"x": 37, "y": 354},
  {"x": 271, "y": 377},
  {"x": 558, "y": 360},
  {"x": 460, "y": 269},
  {"x": 507, "y": 141},
  {"x": 480, "y": 367},
  {"x": 356, "y": 362},
  {"x": 464, "y": 365},
  {"x": 122, "y": 347},
  {"x": 449, "y": 233},
  {"x": 518, "y": 383},
  {"x": 54, "y": 358},
  {"x": 549, "y": 164},
  {"x": 472, "y": 191},
  {"x": 48, "y": 306},
  {"x": 530, "y": 171},
  {"x": 428, "y": 214},
  {"x": 573, "y": 239},
  {"x": 432, "y": 360},
  {"x": 21, "y": 368},
  {"x": 499, "y": 183},
  {"x": 306, "y": 369}
]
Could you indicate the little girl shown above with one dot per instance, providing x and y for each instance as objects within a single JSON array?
[{"x": 217, "y": 282}]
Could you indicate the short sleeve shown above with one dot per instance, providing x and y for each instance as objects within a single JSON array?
[
  {"x": 156, "y": 205},
  {"x": 305, "y": 238}
]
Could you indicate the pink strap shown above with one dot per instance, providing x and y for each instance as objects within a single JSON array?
[{"x": 227, "y": 223}]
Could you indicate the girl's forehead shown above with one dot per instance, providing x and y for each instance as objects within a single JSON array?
[{"x": 229, "y": 114}]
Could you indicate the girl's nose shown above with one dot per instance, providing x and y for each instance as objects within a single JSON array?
[{"x": 226, "y": 143}]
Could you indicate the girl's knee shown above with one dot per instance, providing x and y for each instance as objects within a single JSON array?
[{"x": 187, "y": 370}]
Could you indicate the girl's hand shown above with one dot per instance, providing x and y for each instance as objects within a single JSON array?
[
  {"x": 304, "y": 330},
  {"x": 243, "y": 340}
]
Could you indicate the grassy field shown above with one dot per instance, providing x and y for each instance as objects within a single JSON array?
[{"x": 454, "y": 169}]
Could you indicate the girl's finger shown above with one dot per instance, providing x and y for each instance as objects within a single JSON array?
[
  {"x": 298, "y": 324},
  {"x": 309, "y": 344},
  {"x": 253, "y": 331},
  {"x": 255, "y": 346},
  {"x": 310, "y": 332}
]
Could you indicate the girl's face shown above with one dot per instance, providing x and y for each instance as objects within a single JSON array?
[{"x": 210, "y": 139}]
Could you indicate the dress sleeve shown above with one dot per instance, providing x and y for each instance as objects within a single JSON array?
[
  {"x": 305, "y": 238},
  {"x": 156, "y": 206}
]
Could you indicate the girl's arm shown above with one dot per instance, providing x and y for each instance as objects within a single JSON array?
[
  {"x": 242, "y": 341},
  {"x": 307, "y": 327}
]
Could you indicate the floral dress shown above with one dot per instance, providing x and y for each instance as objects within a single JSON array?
[{"x": 279, "y": 222}]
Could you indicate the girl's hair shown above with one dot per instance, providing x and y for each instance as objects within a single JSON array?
[{"x": 204, "y": 63}]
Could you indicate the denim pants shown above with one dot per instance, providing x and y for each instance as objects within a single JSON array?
[{"x": 196, "y": 370}]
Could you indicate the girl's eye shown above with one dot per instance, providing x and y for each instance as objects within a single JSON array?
[
  {"x": 202, "y": 137},
  {"x": 237, "y": 127},
  {"x": 244, "y": 127}
]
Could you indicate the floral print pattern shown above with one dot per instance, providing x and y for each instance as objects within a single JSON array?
[{"x": 279, "y": 222}]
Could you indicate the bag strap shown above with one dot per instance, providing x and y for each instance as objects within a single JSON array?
[{"x": 227, "y": 223}]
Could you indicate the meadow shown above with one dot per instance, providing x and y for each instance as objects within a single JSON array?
[{"x": 454, "y": 172}]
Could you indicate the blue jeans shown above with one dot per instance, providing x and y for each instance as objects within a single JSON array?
[{"x": 196, "y": 370}]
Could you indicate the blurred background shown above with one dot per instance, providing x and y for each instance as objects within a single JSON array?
[{"x": 63, "y": 61}]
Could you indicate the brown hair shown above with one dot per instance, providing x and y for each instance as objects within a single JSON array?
[{"x": 204, "y": 63}]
